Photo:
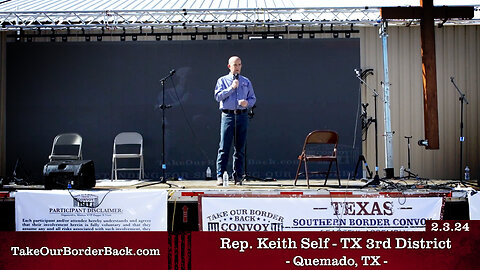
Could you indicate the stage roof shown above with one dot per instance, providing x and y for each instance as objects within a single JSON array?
[{"x": 85, "y": 14}]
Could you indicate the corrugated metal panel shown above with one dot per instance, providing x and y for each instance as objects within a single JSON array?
[{"x": 458, "y": 55}]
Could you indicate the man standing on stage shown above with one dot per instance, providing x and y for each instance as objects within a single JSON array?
[{"x": 235, "y": 95}]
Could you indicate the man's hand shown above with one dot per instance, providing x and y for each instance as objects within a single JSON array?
[
  {"x": 235, "y": 84},
  {"x": 243, "y": 103}
]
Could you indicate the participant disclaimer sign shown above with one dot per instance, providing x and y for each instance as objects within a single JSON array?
[
  {"x": 318, "y": 213},
  {"x": 78, "y": 210}
]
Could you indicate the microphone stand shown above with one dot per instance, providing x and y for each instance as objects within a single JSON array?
[
  {"x": 360, "y": 76},
  {"x": 408, "y": 170},
  {"x": 463, "y": 99},
  {"x": 163, "y": 107},
  {"x": 246, "y": 176}
]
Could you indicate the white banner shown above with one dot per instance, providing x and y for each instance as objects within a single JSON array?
[
  {"x": 318, "y": 214},
  {"x": 474, "y": 204},
  {"x": 78, "y": 210}
]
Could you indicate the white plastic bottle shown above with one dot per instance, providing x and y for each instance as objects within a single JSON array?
[
  {"x": 225, "y": 179},
  {"x": 467, "y": 173},
  {"x": 402, "y": 172},
  {"x": 208, "y": 174}
]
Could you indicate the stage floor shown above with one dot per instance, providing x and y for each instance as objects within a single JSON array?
[
  {"x": 455, "y": 189},
  {"x": 279, "y": 184},
  {"x": 315, "y": 184}
]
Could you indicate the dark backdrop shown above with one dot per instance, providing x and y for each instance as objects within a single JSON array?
[{"x": 99, "y": 89}]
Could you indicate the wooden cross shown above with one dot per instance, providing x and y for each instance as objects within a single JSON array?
[{"x": 427, "y": 13}]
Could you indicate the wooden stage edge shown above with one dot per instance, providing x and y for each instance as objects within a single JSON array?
[{"x": 188, "y": 190}]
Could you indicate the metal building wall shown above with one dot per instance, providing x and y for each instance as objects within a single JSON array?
[{"x": 458, "y": 56}]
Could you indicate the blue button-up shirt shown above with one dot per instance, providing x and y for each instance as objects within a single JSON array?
[{"x": 229, "y": 97}]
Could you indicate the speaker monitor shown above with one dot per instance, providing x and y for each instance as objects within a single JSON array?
[{"x": 80, "y": 174}]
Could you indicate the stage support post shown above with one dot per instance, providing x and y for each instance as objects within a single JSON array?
[
  {"x": 427, "y": 13},
  {"x": 386, "y": 105}
]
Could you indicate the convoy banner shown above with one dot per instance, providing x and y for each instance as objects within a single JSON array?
[
  {"x": 318, "y": 213},
  {"x": 78, "y": 210}
]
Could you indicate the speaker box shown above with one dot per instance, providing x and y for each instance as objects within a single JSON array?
[{"x": 80, "y": 174}]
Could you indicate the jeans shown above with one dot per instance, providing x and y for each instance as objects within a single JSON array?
[{"x": 233, "y": 129}]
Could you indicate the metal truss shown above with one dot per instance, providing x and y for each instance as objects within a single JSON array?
[
  {"x": 25, "y": 20},
  {"x": 186, "y": 18}
]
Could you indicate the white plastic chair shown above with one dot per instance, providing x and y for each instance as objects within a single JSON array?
[
  {"x": 65, "y": 140},
  {"x": 127, "y": 138}
]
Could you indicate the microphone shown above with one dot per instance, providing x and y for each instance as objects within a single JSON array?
[
  {"x": 168, "y": 76},
  {"x": 236, "y": 76},
  {"x": 357, "y": 71}
]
